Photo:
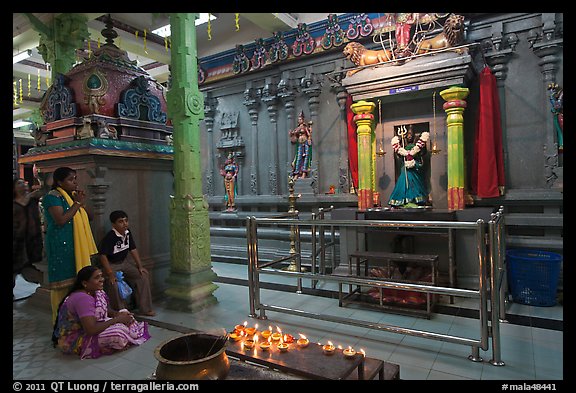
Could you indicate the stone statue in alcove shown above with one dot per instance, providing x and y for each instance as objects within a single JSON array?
[
  {"x": 230, "y": 173},
  {"x": 301, "y": 137}
]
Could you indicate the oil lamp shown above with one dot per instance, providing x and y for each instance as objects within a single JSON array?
[
  {"x": 276, "y": 336},
  {"x": 329, "y": 348},
  {"x": 235, "y": 336},
  {"x": 282, "y": 346},
  {"x": 349, "y": 353},
  {"x": 288, "y": 338},
  {"x": 265, "y": 345},
  {"x": 250, "y": 331},
  {"x": 249, "y": 343},
  {"x": 302, "y": 342},
  {"x": 266, "y": 333}
]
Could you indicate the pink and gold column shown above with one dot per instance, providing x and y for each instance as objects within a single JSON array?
[
  {"x": 454, "y": 108},
  {"x": 364, "y": 120}
]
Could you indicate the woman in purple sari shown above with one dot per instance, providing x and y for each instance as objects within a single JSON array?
[{"x": 87, "y": 327}]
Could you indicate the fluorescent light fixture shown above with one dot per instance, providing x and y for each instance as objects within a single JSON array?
[
  {"x": 20, "y": 123},
  {"x": 21, "y": 56},
  {"x": 164, "y": 31}
]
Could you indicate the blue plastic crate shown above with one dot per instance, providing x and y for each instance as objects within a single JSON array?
[{"x": 533, "y": 276}]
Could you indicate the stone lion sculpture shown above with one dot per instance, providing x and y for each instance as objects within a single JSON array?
[
  {"x": 451, "y": 36},
  {"x": 360, "y": 56}
]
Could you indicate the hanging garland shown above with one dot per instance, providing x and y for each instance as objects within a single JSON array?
[
  {"x": 237, "y": 20},
  {"x": 209, "y": 28},
  {"x": 409, "y": 154}
]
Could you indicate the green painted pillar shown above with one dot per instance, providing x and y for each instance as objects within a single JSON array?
[
  {"x": 454, "y": 108},
  {"x": 364, "y": 120},
  {"x": 190, "y": 285},
  {"x": 59, "y": 40}
]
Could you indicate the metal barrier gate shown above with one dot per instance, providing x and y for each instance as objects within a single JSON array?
[{"x": 489, "y": 247}]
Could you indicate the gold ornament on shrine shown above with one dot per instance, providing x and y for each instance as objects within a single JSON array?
[
  {"x": 380, "y": 151},
  {"x": 434, "y": 149}
]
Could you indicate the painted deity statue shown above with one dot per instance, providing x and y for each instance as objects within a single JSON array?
[
  {"x": 410, "y": 189},
  {"x": 301, "y": 137},
  {"x": 230, "y": 173}
]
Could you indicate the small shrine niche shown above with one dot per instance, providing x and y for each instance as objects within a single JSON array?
[
  {"x": 230, "y": 140},
  {"x": 418, "y": 129}
]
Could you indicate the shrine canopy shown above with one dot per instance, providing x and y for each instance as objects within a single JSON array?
[{"x": 106, "y": 90}]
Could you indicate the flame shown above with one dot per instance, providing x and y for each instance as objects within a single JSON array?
[
  {"x": 302, "y": 336},
  {"x": 339, "y": 346},
  {"x": 256, "y": 339},
  {"x": 256, "y": 326},
  {"x": 330, "y": 343},
  {"x": 362, "y": 351},
  {"x": 278, "y": 330},
  {"x": 269, "y": 328},
  {"x": 245, "y": 323}
]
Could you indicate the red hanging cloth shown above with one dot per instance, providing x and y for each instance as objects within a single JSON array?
[
  {"x": 488, "y": 162},
  {"x": 352, "y": 143}
]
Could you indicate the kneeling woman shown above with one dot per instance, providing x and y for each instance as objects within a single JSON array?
[{"x": 85, "y": 325}]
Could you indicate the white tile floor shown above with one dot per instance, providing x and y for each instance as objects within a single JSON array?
[{"x": 532, "y": 339}]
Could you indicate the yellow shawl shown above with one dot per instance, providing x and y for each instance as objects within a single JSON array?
[{"x": 84, "y": 245}]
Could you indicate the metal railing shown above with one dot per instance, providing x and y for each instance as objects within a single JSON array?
[{"x": 487, "y": 283}]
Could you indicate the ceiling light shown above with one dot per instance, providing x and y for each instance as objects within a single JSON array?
[
  {"x": 21, "y": 56},
  {"x": 164, "y": 31}
]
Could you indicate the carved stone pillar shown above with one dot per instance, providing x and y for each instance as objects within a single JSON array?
[
  {"x": 548, "y": 46},
  {"x": 364, "y": 120},
  {"x": 270, "y": 98},
  {"x": 98, "y": 190},
  {"x": 209, "y": 113},
  {"x": 190, "y": 285},
  {"x": 251, "y": 102},
  {"x": 59, "y": 40},
  {"x": 312, "y": 87},
  {"x": 287, "y": 93},
  {"x": 454, "y": 108},
  {"x": 343, "y": 170}
]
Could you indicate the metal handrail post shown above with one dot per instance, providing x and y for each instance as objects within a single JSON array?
[
  {"x": 502, "y": 264},
  {"x": 298, "y": 257},
  {"x": 494, "y": 291},
  {"x": 256, "y": 271},
  {"x": 451, "y": 265},
  {"x": 313, "y": 261},
  {"x": 250, "y": 222},
  {"x": 322, "y": 242},
  {"x": 480, "y": 243}
]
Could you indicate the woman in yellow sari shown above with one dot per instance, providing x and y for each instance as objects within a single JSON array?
[{"x": 69, "y": 242}]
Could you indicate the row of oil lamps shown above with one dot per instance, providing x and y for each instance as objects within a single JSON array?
[{"x": 249, "y": 339}]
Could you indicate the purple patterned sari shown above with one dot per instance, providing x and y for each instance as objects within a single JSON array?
[{"x": 73, "y": 339}]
